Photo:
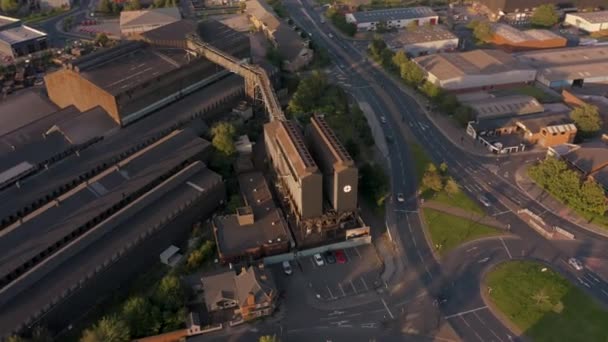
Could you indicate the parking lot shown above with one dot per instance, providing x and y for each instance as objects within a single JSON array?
[{"x": 360, "y": 273}]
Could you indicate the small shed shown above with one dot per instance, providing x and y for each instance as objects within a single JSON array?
[{"x": 170, "y": 256}]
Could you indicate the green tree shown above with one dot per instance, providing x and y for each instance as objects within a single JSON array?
[
  {"x": 268, "y": 338},
  {"x": 431, "y": 91},
  {"x": 483, "y": 31},
  {"x": 142, "y": 317},
  {"x": 451, "y": 187},
  {"x": 411, "y": 73},
  {"x": 449, "y": 103},
  {"x": 463, "y": 114},
  {"x": 105, "y": 6},
  {"x": 174, "y": 320},
  {"x": 443, "y": 168},
  {"x": 108, "y": 329},
  {"x": 169, "y": 294},
  {"x": 133, "y": 5},
  {"x": 9, "y": 6},
  {"x": 544, "y": 15},
  {"x": 594, "y": 197},
  {"x": 400, "y": 59},
  {"x": 374, "y": 183},
  {"x": 242, "y": 6},
  {"x": 309, "y": 94},
  {"x": 102, "y": 39},
  {"x": 223, "y": 138},
  {"x": 587, "y": 119},
  {"x": 15, "y": 338},
  {"x": 431, "y": 180}
]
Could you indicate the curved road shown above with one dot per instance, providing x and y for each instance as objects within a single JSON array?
[{"x": 458, "y": 277}]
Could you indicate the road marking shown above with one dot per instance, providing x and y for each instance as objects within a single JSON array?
[
  {"x": 341, "y": 289},
  {"x": 357, "y": 250},
  {"x": 493, "y": 333},
  {"x": 353, "y": 286},
  {"x": 479, "y": 318},
  {"x": 583, "y": 282},
  {"x": 471, "y": 249},
  {"x": 506, "y": 248},
  {"x": 483, "y": 261},
  {"x": 428, "y": 272},
  {"x": 414, "y": 241},
  {"x": 594, "y": 278},
  {"x": 312, "y": 262},
  {"x": 465, "y": 321},
  {"x": 501, "y": 213},
  {"x": 368, "y": 325},
  {"x": 466, "y": 312},
  {"x": 364, "y": 284},
  {"x": 330, "y": 294},
  {"x": 605, "y": 293},
  {"x": 387, "y": 309}
]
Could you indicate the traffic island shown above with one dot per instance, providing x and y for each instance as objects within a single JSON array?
[{"x": 539, "y": 303}]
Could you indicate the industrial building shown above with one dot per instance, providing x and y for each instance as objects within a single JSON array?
[
  {"x": 512, "y": 39},
  {"x": 140, "y": 21},
  {"x": 296, "y": 170},
  {"x": 18, "y": 40},
  {"x": 568, "y": 67},
  {"x": 475, "y": 70},
  {"x": 257, "y": 229},
  {"x": 340, "y": 174},
  {"x": 511, "y": 134},
  {"x": 392, "y": 18},
  {"x": 505, "y": 106},
  {"x": 291, "y": 46},
  {"x": 134, "y": 79},
  {"x": 588, "y": 21},
  {"x": 423, "y": 40},
  {"x": 521, "y": 10}
]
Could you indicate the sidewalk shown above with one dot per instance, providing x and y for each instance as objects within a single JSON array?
[
  {"x": 546, "y": 200},
  {"x": 483, "y": 219}
]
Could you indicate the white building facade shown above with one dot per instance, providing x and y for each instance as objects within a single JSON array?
[
  {"x": 392, "y": 18},
  {"x": 588, "y": 21}
]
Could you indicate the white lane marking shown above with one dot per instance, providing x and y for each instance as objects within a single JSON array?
[
  {"x": 330, "y": 294},
  {"x": 353, "y": 286},
  {"x": 357, "y": 250},
  {"x": 471, "y": 249},
  {"x": 493, "y": 333},
  {"x": 198, "y": 188},
  {"x": 387, "y": 309},
  {"x": 368, "y": 325},
  {"x": 506, "y": 248},
  {"x": 341, "y": 289},
  {"x": 466, "y": 312},
  {"x": 479, "y": 318},
  {"x": 605, "y": 293},
  {"x": 364, "y": 283},
  {"x": 465, "y": 321}
]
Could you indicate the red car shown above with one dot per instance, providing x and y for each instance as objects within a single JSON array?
[{"x": 340, "y": 256}]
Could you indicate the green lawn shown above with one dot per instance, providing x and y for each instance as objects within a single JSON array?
[
  {"x": 421, "y": 159},
  {"x": 449, "y": 231},
  {"x": 544, "y": 305}
]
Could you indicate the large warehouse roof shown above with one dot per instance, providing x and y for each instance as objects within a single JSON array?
[
  {"x": 514, "y": 35},
  {"x": 592, "y": 17},
  {"x": 421, "y": 34},
  {"x": 568, "y": 63},
  {"x": 20, "y": 34},
  {"x": 393, "y": 14},
  {"x": 154, "y": 16},
  {"x": 476, "y": 62},
  {"x": 506, "y": 105}
]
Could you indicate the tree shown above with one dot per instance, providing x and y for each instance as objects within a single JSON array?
[
  {"x": 483, "y": 31},
  {"x": 142, "y": 317},
  {"x": 449, "y": 103},
  {"x": 108, "y": 329},
  {"x": 587, "y": 119},
  {"x": 41, "y": 334},
  {"x": 223, "y": 137},
  {"x": 431, "y": 91},
  {"x": 432, "y": 181},
  {"x": 9, "y": 6},
  {"x": 594, "y": 197},
  {"x": 133, "y": 5},
  {"x": 274, "y": 56},
  {"x": 463, "y": 114},
  {"x": 411, "y": 73},
  {"x": 268, "y": 338},
  {"x": 102, "y": 39},
  {"x": 400, "y": 59},
  {"x": 374, "y": 183},
  {"x": 105, "y": 6},
  {"x": 309, "y": 94},
  {"x": 443, "y": 168},
  {"x": 242, "y": 6},
  {"x": 544, "y": 15},
  {"x": 169, "y": 294},
  {"x": 15, "y": 338},
  {"x": 451, "y": 187}
]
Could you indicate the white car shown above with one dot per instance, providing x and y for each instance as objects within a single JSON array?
[
  {"x": 575, "y": 263},
  {"x": 400, "y": 197},
  {"x": 484, "y": 200},
  {"x": 330, "y": 35},
  {"x": 318, "y": 259},
  {"x": 383, "y": 119},
  {"x": 287, "y": 267}
]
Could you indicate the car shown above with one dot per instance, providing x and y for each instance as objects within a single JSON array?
[
  {"x": 287, "y": 267},
  {"x": 400, "y": 198},
  {"x": 340, "y": 257},
  {"x": 318, "y": 259},
  {"x": 330, "y": 257},
  {"x": 575, "y": 263},
  {"x": 485, "y": 201},
  {"x": 383, "y": 119},
  {"x": 330, "y": 35}
]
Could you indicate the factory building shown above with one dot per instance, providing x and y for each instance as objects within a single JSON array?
[
  {"x": 17, "y": 40},
  {"x": 568, "y": 67},
  {"x": 134, "y": 79},
  {"x": 140, "y": 21},
  {"x": 521, "y": 10},
  {"x": 340, "y": 174},
  {"x": 511, "y": 39},
  {"x": 588, "y": 21},
  {"x": 393, "y": 18},
  {"x": 422, "y": 41},
  {"x": 296, "y": 170},
  {"x": 475, "y": 70}
]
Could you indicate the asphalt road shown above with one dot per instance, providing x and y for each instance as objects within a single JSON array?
[{"x": 406, "y": 118}]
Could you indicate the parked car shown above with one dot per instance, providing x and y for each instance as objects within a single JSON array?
[
  {"x": 400, "y": 197},
  {"x": 485, "y": 201},
  {"x": 383, "y": 119},
  {"x": 330, "y": 257},
  {"x": 340, "y": 257},
  {"x": 318, "y": 259},
  {"x": 287, "y": 267},
  {"x": 575, "y": 263}
]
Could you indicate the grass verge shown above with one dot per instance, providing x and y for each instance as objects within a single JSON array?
[
  {"x": 544, "y": 305},
  {"x": 448, "y": 231}
]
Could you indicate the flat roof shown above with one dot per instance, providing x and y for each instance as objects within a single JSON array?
[
  {"x": 591, "y": 17},
  {"x": 588, "y": 159},
  {"x": 4, "y": 20},
  {"x": 95, "y": 122},
  {"x": 23, "y": 108},
  {"x": 153, "y": 16},
  {"x": 176, "y": 30},
  {"x": 47, "y": 225},
  {"x": 289, "y": 139},
  {"x": 514, "y": 35},
  {"x": 422, "y": 34},
  {"x": 475, "y": 62},
  {"x": 575, "y": 71},
  {"x": 535, "y": 123},
  {"x": 330, "y": 141},
  {"x": 506, "y": 105},
  {"x": 564, "y": 56},
  {"x": 393, "y": 14},
  {"x": 269, "y": 225},
  {"x": 20, "y": 34}
]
